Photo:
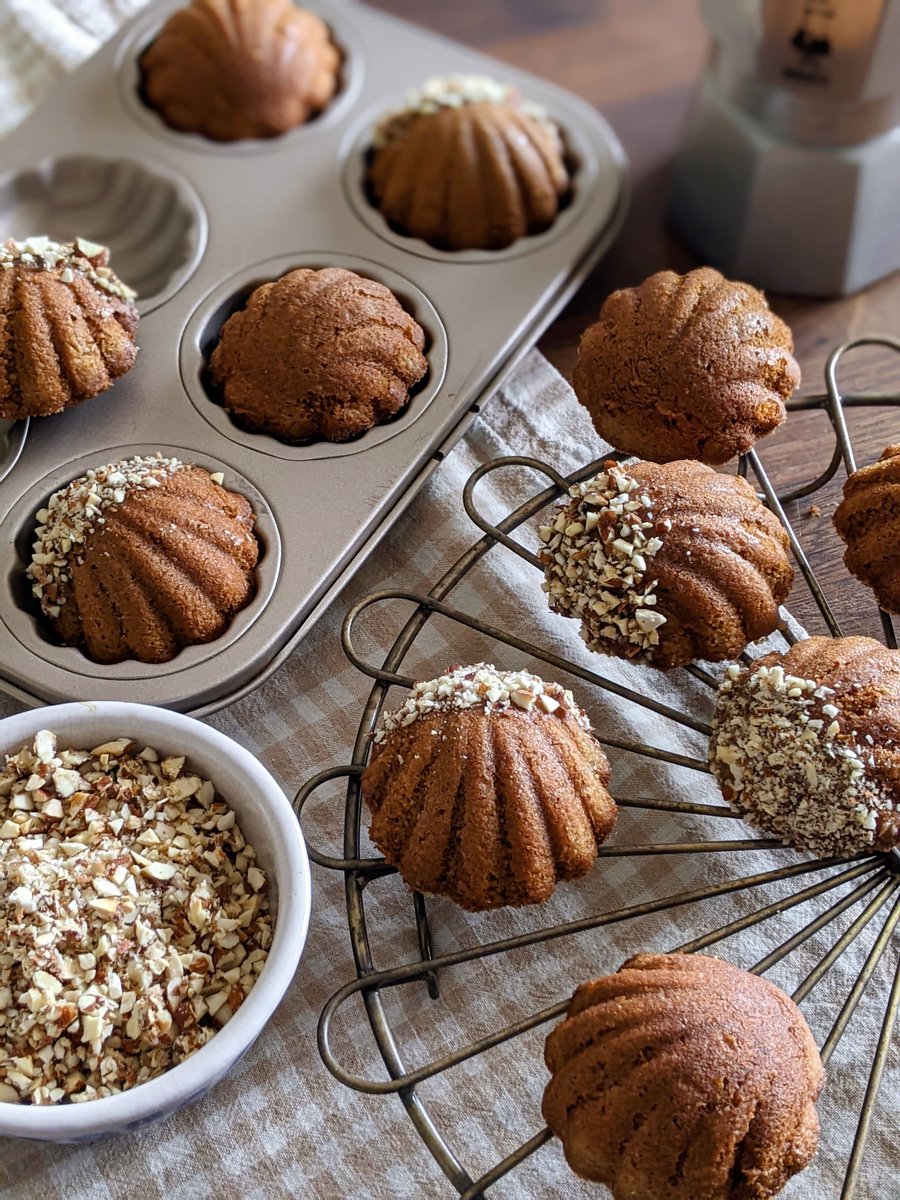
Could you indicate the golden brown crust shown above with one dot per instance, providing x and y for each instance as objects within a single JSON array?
[
  {"x": 489, "y": 809},
  {"x": 681, "y": 1077},
  {"x": 832, "y": 787},
  {"x": 232, "y": 69},
  {"x": 60, "y": 342},
  {"x": 318, "y": 354},
  {"x": 478, "y": 176},
  {"x": 686, "y": 366},
  {"x": 717, "y": 579},
  {"x": 868, "y": 521},
  {"x": 169, "y": 568}
]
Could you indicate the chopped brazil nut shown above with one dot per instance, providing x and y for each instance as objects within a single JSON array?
[{"x": 134, "y": 919}]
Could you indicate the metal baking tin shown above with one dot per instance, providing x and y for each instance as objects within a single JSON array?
[{"x": 194, "y": 225}]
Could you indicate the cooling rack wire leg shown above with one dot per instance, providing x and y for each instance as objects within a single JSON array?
[
  {"x": 844, "y": 444},
  {"x": 423, "y": 932},
  {"x": 369, "y": 866},
  {"x": 503, "y": 1168},
  {"x": 802, "y": 561}
]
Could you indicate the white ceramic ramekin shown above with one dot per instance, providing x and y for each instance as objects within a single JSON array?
[{"x": 269, "y": 824}]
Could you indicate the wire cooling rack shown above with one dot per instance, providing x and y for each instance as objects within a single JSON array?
[{"x": 876, "y": 876}]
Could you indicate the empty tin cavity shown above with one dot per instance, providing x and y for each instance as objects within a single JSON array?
[
  {"x": 152, "y": 220},
  {"x": 202, "y": 334},
  {"x": 358, "y": 152},
  {"x": 12, "y": 439},
  {"x": 130, "y": 87},
  {"x": 25, "y": 619}
]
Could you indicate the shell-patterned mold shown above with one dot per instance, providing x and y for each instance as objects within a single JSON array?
[
  {"x": 868, "y": 521},
  {"x": 233, "y": 69},
  {"x": 806, "y": 745},
  {"x": 666, "y": 563},
  {"x": 318, "y": 354},
  {"x": 682, "y": 1077},
  {"x": 137, "y": 559},
  {"x": 686, "y": 366},
  {"x": 467, "y": 164},
  {"x": 67, "y": 325},
  {"x": 486, "y": 786}
]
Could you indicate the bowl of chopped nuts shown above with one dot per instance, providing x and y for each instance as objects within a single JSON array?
[{"x": 154, "y": 903}]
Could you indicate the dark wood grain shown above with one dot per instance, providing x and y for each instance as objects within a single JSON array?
[{"x": 638, "y": 61}]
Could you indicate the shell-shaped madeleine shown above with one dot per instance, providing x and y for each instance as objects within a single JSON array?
[
  {"x": 232, "y": 69},
  {"x": 681, "y": 1077},
  {"x": 493, "y": 805},
  {"x": 806, "y": 744},
  {"x": 686, "y": 366},
  {"x": 143, "y": 558},
  {"x": 475, "y": 176},
  {"x": 318, "y": 354},
  {"x": 67, "y": 326},
  {"x": 868, "y": 521},
  {"x": 666, "y": 563}
]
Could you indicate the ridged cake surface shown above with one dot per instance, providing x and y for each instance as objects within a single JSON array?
[
  {"x": 142, "y": 557},
  {"x": 233, "y": 69},
  {"x": 868, "y": 521},
  {"x": 806, "y": 745},
  {"x": 682, "y": 1077},
  {"x": 468, "y": 165},
  {"x": 665, "y": 563},
  {"x": 67, "y": 325},
  {"x": 318, "y": 354},
  {"x": 686, "y": 366},
  {"x": 487, "y": 787}
]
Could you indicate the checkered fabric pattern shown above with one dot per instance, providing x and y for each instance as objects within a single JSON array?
[{"x": 280, "y": 1125}]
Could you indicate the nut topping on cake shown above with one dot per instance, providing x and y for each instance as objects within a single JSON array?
[
  {"x": 482, "y": 686},
  {"x": 74, "y": 512},
  {"x": 804, "y": 745},
  {"x": 598, "y": 559},
  {"x": 453, "y": 91},
  {"x": 70, "y": 259}
]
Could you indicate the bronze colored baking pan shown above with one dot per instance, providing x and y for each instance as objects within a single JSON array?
[{"x": 194, "y": 225}]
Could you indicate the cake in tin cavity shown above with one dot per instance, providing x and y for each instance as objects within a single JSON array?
[
  {"x": 486, "y": 786},
  {"x": 140, "y": 558},
  {"x": 468, "y": 164},
  {"x": 868, "y": 520},
  {"x": 686, "y": 366},
  {"x": 805, "y": 745},
  {"x": 318, "y": 354},
  {"x": 67, "y": 325},
  {"x": 682, "y": 1077},
  {"x": 666, "y": 563},
  {"x": 234, "y": 69}
]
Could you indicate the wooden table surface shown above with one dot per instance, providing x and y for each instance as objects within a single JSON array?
[{"x": 638, "y": 61}]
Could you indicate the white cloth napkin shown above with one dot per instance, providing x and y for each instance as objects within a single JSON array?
[{"x": 280, "y": 1125}]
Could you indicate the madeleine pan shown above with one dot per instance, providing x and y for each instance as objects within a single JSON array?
[{"x": 194, "y": 225}]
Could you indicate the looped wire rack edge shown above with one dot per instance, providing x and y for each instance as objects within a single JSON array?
[{"x": 876, "y": 876}]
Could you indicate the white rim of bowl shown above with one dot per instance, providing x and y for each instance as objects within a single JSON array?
[{"x": 189, "y": 1079}]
